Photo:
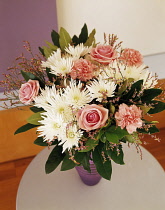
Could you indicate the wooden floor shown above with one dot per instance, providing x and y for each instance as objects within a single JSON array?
[{"x": 11, "y": 173}]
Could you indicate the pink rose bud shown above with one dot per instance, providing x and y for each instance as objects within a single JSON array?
[
  {"x": 83, "y": 70},
  {"x": 103, "y": 54},
  {"x": 131, "y": 57},
  {"x": 28, "y": 91},
  {"x": 92, "y": 117},
  {"x": 129, "y": 117}
]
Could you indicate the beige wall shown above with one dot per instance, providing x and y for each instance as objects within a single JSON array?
[{"x": 139, "y": 23}]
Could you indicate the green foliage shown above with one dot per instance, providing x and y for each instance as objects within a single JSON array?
[
  {"x": 40, "y": 142},
  {"x": 151, "y": 130},
  {"x": 84, "y": 34},
  {"x": 116, "y": 154},
  {"x": 124, "y": 86},
  {"x": 24, "y": 128},
  {"x": 41, "y": 50},
  {"x": 114, "y": 134},
  {"x": 28, "y": 75},
  {"x": 84, "y": 160},
  {"x": 47, "y": 51},
  {"x": 35, "y": 118},
  {"x": 75, "y": 40},
  {"x": 104, "y": 167},
  {"x": 90, "y": 144},
  {"x": 55, "y": 38},
  {"x": 54, "y": 159},
  {"x": 64, "y": 39},
  {"x": 36, "y": 109},
  {"x": 135, "y": 88},
  {"x": 150, "y": 94},
  {"x": 67, "y": 163},
  {"x": 91, "y": 39},
  {"x": 157, "y": 106}
]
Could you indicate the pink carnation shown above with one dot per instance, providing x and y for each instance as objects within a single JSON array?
[
  {"x": 131, "y": 57},
  {"x": 28, "y": 91},
  {"x": 129, "y": 117},
  {"x": 103, "y": 54},
  {"x": 92, "y": 117},
  {"x": 82, "y": 69}
]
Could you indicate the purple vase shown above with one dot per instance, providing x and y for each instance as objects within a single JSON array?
[{"x": 89, "y": 179}]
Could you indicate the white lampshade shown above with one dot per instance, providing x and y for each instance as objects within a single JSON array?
[{"x": 139, "y": 24}]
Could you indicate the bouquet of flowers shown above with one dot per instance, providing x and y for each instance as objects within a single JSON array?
[{"x": 88, "y": 99}]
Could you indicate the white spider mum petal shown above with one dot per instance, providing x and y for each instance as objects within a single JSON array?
[
  {"x": 76, "y": 96},
  {"x": 101, "y": 89},
  {"x": 62, "y": 66},
  {"x": 78, "y": 51},
  {"x": 52, "y": 126},
  {"x": 54, "y": 57},
  {"x": 71, "y": 137},
  {"x": 45, "y": 96}
]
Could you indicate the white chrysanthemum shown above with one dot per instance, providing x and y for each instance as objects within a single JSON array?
[
  {"x": 115, "y": 71},
  {"x": 59, "y": 105},
  {"x": 71, "y": 137},
  {"x": 76, "y": 96},
  {"x": 52, "y": 126},
  {"x": 134, "y": 72},
  {"x": 62, "y": 66},
  {"x": 101, "y": 89},
  {"x": 55, "y": 56},
  {"x": 45, "y": 96},
  {"x": 149, "y": 81},
  {"x": 78, "y": 51}
]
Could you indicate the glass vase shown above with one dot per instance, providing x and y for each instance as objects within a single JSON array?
[{"x": 91, "y": 178}]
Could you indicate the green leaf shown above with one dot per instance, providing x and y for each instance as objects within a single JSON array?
[
  {"x": 124, "y": 86},
  {"x": 35, "y": 118},
  {"x": 136, "y": 87},
  {"x": 42, "y": 51},
  {"x": 150, "y": 130},
  {"x": 145, "y": 109},
  {"x": 24, "y": 128},
  {"x": 51, "y": 46},
  {"x": 75, "y": 40},
  {"x": 85, "y": 162},
  {"x": 67, "y": 163},
  {"x": 116, "y": 154},
  {"x": 90, "y": 144},
  {"x": 40, "y": 142},
  {"x": 104, "y": 168},
  {"x": 114, "y": 134},
  {"x": 28, "y": 75},
  {"x": 84, "y": 34},
  {"x": 150, "y": 94},
  {"x": 47, "y": 51},
  {"x": 91, "y": 38},
  {"x": 132, "y": 138},
  {"x": 55, "y": 38},
  {"x": 54, "y": 159},
  {"x": 158, "y": 106},
  {"x": 36, "y": 109},
  {"x": 65, "y": 38}
]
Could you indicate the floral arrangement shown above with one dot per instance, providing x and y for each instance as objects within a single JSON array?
[{"x": 88, "y": 99}]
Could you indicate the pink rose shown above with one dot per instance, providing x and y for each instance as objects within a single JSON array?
[
  {"x": 103, "y": 54},
  {"x": 131, "y": 57},
  {"x": 83, "y": 70},
  {"x": 129, "y": 117},
  {"x": 28, "y": 91},
  {"x": 92, "y": 117}
]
